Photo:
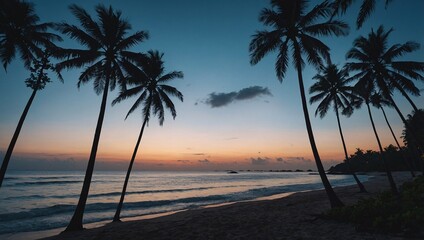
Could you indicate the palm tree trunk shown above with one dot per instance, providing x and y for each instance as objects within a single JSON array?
[
  {"x": 360, "y": 185},
  {"x": 397, "y": 143},
  {"x": 15, "y": 138},
  {"x": 116, "y": 218},
  {"x": 388, "y": 172},
  {"x": 402, "y": 91},
  {"x": 76, "y": 221},
  {"x": 334, "y": 200}
]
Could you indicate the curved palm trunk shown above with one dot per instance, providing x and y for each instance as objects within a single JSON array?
[
  {"x": 334, "y": 200},
  {"x": 76, "y": 221},
  {"x": 360, "y": 185},
  {"x": 397, "y": 143},
  {"x": 389, "y": 173},
  {"x": 15, "y": 138},
  {"x": 402, "y": 91},
  {"x": 116, "y": 218}
]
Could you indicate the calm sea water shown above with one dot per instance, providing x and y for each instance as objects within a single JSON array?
[{"x": 34, "y": 201}]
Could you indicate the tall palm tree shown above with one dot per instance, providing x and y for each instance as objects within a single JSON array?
[
  {"x": 367, "y": 7},
  {"x": 376, "y": 62},
  {"x": 290, "y": 26},
  {"x": 365, "y": 90},
  {"x": 332, "y": 88},
  {"x": 20, "y": 31},
  {"x": 149, "y": 81},
  {"x": 107, "y": 43},
  {"x": 378, "y": 101}
]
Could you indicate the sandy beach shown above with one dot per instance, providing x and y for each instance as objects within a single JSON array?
[{"x": 292, "y": 217}]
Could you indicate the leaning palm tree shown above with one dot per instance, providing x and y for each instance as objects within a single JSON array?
[
  {"x": 377, "y": 62},
  {"x": 378, "y": 101},
  {"x": 20, "y": 31},
  {"x": 149, "y": 81},
  {"x": 364, "y": 90},
  {"x": 367, "y": 7},
  {"x": 291, "y": 27},
  {"x": 107, "y": 43},
  {"x": 332, "y": 88}
]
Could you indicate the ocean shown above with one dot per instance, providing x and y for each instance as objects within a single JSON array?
[{"x": 36, "y": 201}]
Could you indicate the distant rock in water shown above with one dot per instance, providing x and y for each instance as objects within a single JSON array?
[{"x": 232, "y": 172}]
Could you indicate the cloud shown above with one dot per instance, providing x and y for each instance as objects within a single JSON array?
[
  {"x": 198, "y": 154},
  {"x": 222, "y": 99},
  {"x": 204, "y": 161},
  {"x": 184, "y": 161},
  {"x": 259, "y": 161}
]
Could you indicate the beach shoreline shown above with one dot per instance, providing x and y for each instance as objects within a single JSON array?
[{"x": 237, "y": 220}]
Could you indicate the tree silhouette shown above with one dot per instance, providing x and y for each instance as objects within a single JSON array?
[
  {"x": 107, "y": 43},
  {"x": 365, "y": 90},
  {"x": 150, "y": 86},
  {"x": 367, "y": 7},
  {"x": 332, "y": 90},
  {"x": 291, "y": 27},
  {"x": 375, "y": 62},
  {"x": 378, "y": 101},
  {"x": 20, "y": 31}
]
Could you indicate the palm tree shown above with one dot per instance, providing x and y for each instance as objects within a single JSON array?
[
  {"x": 291, "y": 26},
  {"x": 378, "y": 101},
  {"x": 367, "y": 7},
  {"x": 150, "y": 86},
  {"x": 376, "y": 62},
  {"x": 365, "y": 90},
  {"x": 331, "y": 89},
  {"x": 20, "y": 31},
  {"x": 107, "y": 43}
]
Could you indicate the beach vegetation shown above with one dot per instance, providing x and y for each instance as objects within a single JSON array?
[
  {"x": 106, "y": 48},
  {"x": 21, "y": 33},
  {"x": 148, "y": 82},
  {"x": 388, "y": 213},
  {"x": 291, "y": 29},
  {"x": 331, "y": 90}
]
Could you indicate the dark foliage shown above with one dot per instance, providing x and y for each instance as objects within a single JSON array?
[
  {"x": 387, "y": 213},
  {"x": 368, "y": 161}
]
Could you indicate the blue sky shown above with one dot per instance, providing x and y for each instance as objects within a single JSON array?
[{"x": 208, "y": 41}]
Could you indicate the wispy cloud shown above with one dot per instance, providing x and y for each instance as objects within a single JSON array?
[
  {"x": 216, "y": 100},
  {"x": 204, "y": 161},
  {"x": 260, "y": 161}
]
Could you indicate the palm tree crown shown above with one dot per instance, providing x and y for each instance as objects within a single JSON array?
[
  {"x": 291, "y": 26},
  {"x": 332, "y": 88},
  {"x": 21, "y": 32},
  {"x": 376, "y": 62},
  {"x": 107, "y": 46},
  {"x": 150, "y": 86}
]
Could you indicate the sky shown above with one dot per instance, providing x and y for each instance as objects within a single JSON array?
[{"x": 234, "y": 115}]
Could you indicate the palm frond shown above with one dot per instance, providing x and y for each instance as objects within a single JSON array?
[{"x": 262, "y": 43}]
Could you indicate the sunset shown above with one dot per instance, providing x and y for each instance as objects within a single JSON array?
[{"x": 229, "y": 79}]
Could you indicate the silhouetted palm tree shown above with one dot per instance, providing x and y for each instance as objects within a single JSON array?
[
  {"x": 149, "y": 81},
  {"x": 291, "y": 27},
  {"x": 378, "y": 101},
  {"x": 332, "y": 88},
  {"x": 107, "y": 43},
  {"x": 20, "y": 31},
  {"x": 365, "y": 90},
  {"x": 376, "y": 62},
  {"x": 367, "y": 7}
]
